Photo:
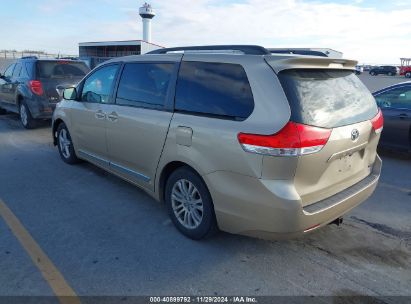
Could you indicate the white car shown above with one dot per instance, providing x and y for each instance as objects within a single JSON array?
[{"x": 358, "y": 69}]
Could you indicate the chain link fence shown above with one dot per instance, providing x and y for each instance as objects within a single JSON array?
[{"x": 7, "y": 54}]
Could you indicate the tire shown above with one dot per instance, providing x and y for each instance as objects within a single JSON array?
[
  {"x": 65, "y": 145},
  {"x": 189, "y": 204},
  {"x": 390, "y": 74},
  {"x": 372, "y": 73},
  {"x": 26, "y": 119},
  {"x": 408, "y": 74}
]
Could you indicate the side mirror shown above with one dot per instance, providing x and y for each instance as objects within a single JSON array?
[
  {"x": 1, "y": 76},
  {"x": 70, "y": 93}
]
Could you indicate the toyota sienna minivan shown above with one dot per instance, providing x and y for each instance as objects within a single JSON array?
[{"x": 229, "y": 137}]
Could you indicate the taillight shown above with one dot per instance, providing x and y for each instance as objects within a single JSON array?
[
  {"x": 292, "y": 140},
  {"x": 36, "y": 87},
  {"x": 378, "y": 122}
]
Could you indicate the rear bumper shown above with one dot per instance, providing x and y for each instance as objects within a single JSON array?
[
  {"x": 40, "y": 108},
  {"x": 272, "y": 209}
]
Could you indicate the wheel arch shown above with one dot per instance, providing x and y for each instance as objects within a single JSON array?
[
  {"x": 167, "y": 170},
  {"x": 19, "y": 99},
  {"x": 55, "y": 126}
]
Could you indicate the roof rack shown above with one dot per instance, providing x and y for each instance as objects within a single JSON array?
[
  {"x": 29, "y": 57},
  {"x": 68, "y": 58},
  {"x": 244, "y": 49}
]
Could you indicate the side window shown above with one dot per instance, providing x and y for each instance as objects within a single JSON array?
[
  {"x": 17, "y": 70},
  {"x": 144, "y": 84},
  {"x": 9, "y": 71},
  {"x": 398, "y": 98},
  {"x": 217, "y": 89},
  {"x": 23, "y": 71},
  {"x": 29, "y": 67},
  {"x": 98, "y": 86}
]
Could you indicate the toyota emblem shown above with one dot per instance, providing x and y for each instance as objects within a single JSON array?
[{"x": 355, "y": 134}]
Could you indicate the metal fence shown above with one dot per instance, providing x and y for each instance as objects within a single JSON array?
[{"x": 39, "y": 54}]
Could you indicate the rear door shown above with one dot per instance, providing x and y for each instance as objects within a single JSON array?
[
  {"x": 14, "y": 82},
  {"x": 138, "y": 122},
  {"x": 6, "y": 84},
  {"x": 396, "y": 107},
  {"x": 338, "y": 101}
]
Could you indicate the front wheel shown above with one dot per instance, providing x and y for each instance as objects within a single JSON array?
[
  {"x": 189, "y": 204},
  {"x": 65, "y": 145},
  {"x": 372, "y": 73},
  {"x": 408, "y": 74},
  {"x": 25, "y": 116}
]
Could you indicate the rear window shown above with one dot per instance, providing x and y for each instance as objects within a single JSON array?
[
  {"x": 221, "y": 90},
  {"x": 61, "y": 69},
  {"x": 327, "y": 98}
]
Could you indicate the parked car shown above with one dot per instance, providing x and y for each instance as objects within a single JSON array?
[
  {"x": 405, "y": 71},
  {"x": 358, "y": 70},
  {"x": 31, "y": 86},
  {"x": 395, "y": 102},
  {"x": 384, "y": 70},
  {"x": 253, "y": 143},
  {"x": 405, "y": 68}
]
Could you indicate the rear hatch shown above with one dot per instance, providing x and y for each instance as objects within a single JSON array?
[
  {"x": 330, "y": 98},
  {"x": 55, "y": 75}
]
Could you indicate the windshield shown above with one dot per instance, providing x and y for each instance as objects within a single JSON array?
[
  {"x": 61, "y": 69},
  {"x": 327, "y": 98}
]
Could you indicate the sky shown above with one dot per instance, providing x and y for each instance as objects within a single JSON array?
[{"x": 370, "y": 31}]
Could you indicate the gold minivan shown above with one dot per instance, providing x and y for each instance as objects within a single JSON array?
[{"x": 231, "y": 138}]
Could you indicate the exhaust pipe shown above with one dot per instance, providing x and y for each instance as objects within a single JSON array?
[{"x": 337, "y": 221}]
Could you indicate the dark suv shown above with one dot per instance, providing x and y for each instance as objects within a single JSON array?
[
  {"x": 32, "y": 86},
  {"x": 384, "y": 70}
]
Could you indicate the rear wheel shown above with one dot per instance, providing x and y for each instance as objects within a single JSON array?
[
  {"x": 372, "y": 73},
  {"x": 25, "y": 116},
  {"x": 189, "y": 204},
  {"x": 65, "y": 145},
  {"x": 390, "y": 74},
  {"x": 408, "y": 74}
]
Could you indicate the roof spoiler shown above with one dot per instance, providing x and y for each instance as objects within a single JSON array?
[{"x": 280, "y": 63}]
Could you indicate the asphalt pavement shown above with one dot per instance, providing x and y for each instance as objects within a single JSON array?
[
  {"x": 108, "y": 238},
  {"x": 375, "y": 83}
]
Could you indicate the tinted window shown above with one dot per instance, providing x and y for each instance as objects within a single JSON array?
[
  {"x": 9, "y": 71},
  {"x": 398, "y": 98},
  {"x": 23, "y": 71},
  {"x": 144, "y": 84},
  {"x": 17, "y": 70},
  {"x": 214, "y": 88},
  {"x": 59, "y": 69},
  {"x": 98, "y": 86},
  {"x": 327, "y": 98}
]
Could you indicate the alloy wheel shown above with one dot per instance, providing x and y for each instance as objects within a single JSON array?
[
  {"x": 23, "y": 115},
  {"x": 187, "y": 204},
  {"x": 64, "y": 143}
]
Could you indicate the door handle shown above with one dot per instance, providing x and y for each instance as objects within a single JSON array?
[
  {"x": 402, "y": 116},
  {"x": 113, "y": 116},
  {"x": 100, "y": 115}
]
